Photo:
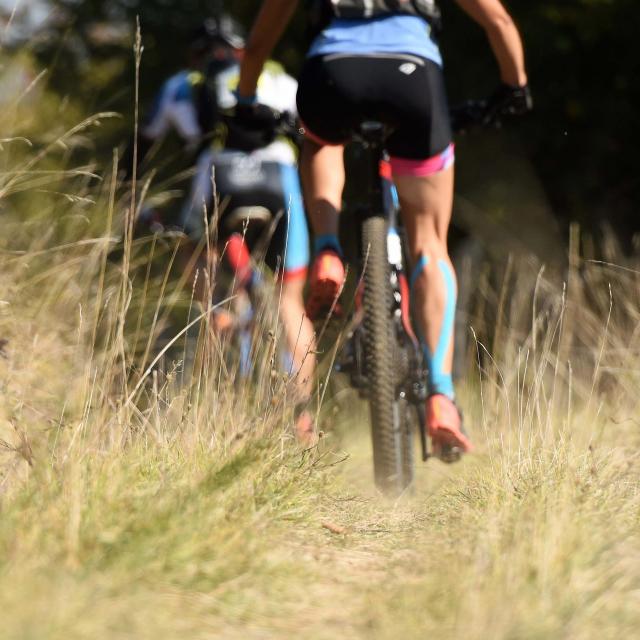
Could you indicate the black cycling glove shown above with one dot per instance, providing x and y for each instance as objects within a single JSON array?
[
  {"x": 510, "y": 101},
  {"x": 257, "y": 116},
  {"x": 253, "y": 126}
]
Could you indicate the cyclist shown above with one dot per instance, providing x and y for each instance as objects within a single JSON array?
[
  {"x": 254, "y": 172},
  {"x": 183, "y": 104},
  {"x": 380, "y": 60}
]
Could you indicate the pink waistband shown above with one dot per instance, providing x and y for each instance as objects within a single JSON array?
[{"x": 423, "y": 168}]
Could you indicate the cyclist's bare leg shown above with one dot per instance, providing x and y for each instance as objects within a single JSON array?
[
  {"x": 323, "y": 178},
  {"x": 299, "y": 336},
  {"x": 426, "y": 203},
  {"x": 322, "y": 170},
  {"x": 300, "y": 339}
]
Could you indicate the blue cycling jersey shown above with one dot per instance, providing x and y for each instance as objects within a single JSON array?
[{"x": 385, "y": 34}]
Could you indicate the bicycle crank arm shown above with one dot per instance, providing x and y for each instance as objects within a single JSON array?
[{"x": 422, "y": 420}]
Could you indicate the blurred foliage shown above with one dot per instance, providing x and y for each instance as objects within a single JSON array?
[
  {"x": 581, "y": 140},
  {"x": 583, "y": 134}
]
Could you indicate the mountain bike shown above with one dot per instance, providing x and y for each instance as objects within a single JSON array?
[
  {"x": 246, "y": 219},
  {"x": 231, "y": 246},
  {"x": 382, "y": 355}
]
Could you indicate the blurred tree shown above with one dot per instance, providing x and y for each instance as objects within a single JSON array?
[{"x": 583, "y": 134}]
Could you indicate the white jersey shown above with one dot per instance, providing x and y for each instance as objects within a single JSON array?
[{"x": 175, "y": 110}]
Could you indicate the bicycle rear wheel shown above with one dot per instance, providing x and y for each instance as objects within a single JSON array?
[{"x": 390, "y": 424}]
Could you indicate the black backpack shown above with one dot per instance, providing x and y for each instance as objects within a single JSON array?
[{"x": 323, "y": 10}]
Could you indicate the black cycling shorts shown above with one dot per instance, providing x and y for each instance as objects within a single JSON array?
[{"x": 337, "y": 92}]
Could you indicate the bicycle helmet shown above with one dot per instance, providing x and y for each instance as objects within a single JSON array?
[{"x": 222, "y": 30}]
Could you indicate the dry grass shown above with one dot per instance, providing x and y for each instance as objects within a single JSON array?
[{"x": 137, "y": 506}]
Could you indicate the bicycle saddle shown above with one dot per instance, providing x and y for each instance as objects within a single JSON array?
[
  {"x": 372, "y": 132},
  {"x": 236, "y": 220}
]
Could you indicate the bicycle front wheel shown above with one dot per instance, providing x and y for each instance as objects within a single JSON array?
[{"x": 390, "y": 426}]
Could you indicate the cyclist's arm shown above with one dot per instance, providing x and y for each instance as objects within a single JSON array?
[
  {"x": 183, "y": 118},
  {"x": 174, "y": 109},
  {"x": 269, "y": 26},
  {"x": 503, "y": 35}
]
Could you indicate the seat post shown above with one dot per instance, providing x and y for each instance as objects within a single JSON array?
[{"x": 372, "y": 135}]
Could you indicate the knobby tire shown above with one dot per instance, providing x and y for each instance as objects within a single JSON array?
[{"x": 390, "y": 425}]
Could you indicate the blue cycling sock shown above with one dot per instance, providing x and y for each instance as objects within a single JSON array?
[
  {"x": 327, "y": 241},
  {"x": 439, "y": 381}
]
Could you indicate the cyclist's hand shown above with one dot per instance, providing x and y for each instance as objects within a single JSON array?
[
  {"x": 252, "y": 126},
  {"x": 510, "y": 101}
]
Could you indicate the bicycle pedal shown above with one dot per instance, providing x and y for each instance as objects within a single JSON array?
[{"x": 449, "y": 455}]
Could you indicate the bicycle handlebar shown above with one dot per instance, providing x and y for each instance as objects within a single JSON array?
[
  {"x": 504, "y": 104},
  {"x": 473, "y": 113},
  {"x": 285, "y": 124},
  {"x": 288, "y": 123},
  {"x": 464, "y": 116}
]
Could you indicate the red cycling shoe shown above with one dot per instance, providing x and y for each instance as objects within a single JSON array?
[
  {"x": 239, "y": 259},
  {"x": 325, "y": 282},
  {"x": 444, "y": 425}
]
